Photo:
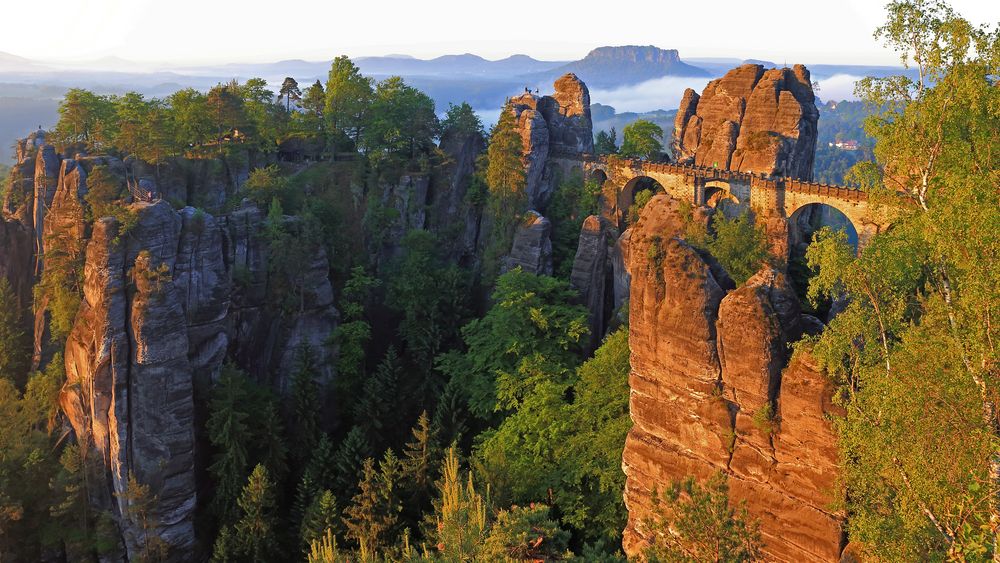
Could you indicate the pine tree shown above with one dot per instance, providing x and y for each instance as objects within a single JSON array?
[
  {"x": 256, "y": 530},
  {"x": 348, "y": 462},
  {"x": 226, "y": 548},
  {"x": 290, "y": 90},
  {"x": 450, "y": 414},
  {"x": 306, "y": 398},
  {"x": 12, "y": 342},
  {"x": 325, "y": 550},
  {"x": 374, "y": 511},
  {"x": 269, "y": 438},
  {"x": 692, "y": 522},
  {"x": 314, "y": 99},
  {"x": 419, "y": 459},
  {"x": 460, "y": 513},
  {"x": 322, "y": 515},
  {"x": 320, "y": 473},
  {"x": 377, "y": 409},
  {"x": 229, "y": 434},
  {"x": 141, "y": 513},
  {"x": 305, "y": 493},
  {"x": 505, "y": 174},
  {"x": 322, "y": 469}
]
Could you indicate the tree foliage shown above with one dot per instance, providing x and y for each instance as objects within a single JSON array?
[
  {"x": 642, "y": 139},
  {"x": 693, "y": 523},
  {"x": 532, "y": 333},
  {"x": 913, "y": 350}
]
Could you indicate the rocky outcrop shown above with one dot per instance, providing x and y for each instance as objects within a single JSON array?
[
  {"x": 448, "y": 208},
  {"x": 571, "y": 129},
  {"x": 202, "y": 279},
  {"x": 532, "y": 248},
  {"x": 129, "y": 390},
  {"x": 710, "y": 392},
  {"x": 589, "y": 274},
  {"x": 751, "y": 120},
  {"x": 550, "y": 127},
  {"x": 166, "y": 297},
  {"x": 16, "y": 257},
  {"x": 265, "y": 340},
  {"x": 46, "y": 181},
  {"x": 204, "y": 183}
]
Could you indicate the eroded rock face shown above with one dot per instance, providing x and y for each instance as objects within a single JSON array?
[
  {"x": 532, "y": 248},
  {"x": 129, "y": 390},
  {"x": 448, "y": 205},
  {"x": 751, "y": 120},
  {"x": 710, "y": 392},
  {"x": 265, "y": 341},
  {"x": 163, "y": 305},
  {"x": 550, "y": 127},
  {"x": 17, "y": 244},
  {"x": 589, "y": 274}
]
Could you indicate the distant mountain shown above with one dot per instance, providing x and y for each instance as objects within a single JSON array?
[
  {"x": 451, "y": 65},
  {"x": 14, "y": 63},
  {"x": 612, "y": 67}
]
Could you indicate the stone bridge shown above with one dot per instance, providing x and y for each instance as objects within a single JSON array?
[{"x": 778, "y": 201}]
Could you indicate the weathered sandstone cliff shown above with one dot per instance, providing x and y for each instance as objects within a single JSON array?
[
  {"x": 750, "y": 120},
  {"x": 552, "y": 126},
  {"x": 165, "y": 299},
  {"x": 712, "y": 391}
]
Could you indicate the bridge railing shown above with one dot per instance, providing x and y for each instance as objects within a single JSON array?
[
  {"x": 757, "y": 180},
  {"x": 140, "y": 193},
  {"x": 814, "y": 188},
  {"x": 761, "y": 181}
]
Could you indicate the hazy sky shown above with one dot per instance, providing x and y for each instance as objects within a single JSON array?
[{"x": 189, "y": 31}]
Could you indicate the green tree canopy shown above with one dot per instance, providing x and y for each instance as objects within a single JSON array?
[
  {"x": 348, "y": 99},
  {"x": 913, "y": 351},
  {"x": 606, "y": 142},
  {"x": 531, "y": 334},
  {"x": 694, "y": 523},
  {"x": 642, "y": 139},
  {"x": 290, "y": 90},
  {"x": 401, "y": 120}
]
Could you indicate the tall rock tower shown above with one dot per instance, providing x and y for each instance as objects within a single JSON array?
[{"x": 751, "y": 120}]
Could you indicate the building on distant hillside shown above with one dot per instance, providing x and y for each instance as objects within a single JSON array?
[{"x": 849, "y": 145}]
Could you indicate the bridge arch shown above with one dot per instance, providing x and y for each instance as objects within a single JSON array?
[
  {"x": 599, "y": 175},
  {"x": 719, "y": 195},
  {"x": 807, "y": 218},
  {"x": 628, "y": 194},
  {"x": 825, "y": 214}
]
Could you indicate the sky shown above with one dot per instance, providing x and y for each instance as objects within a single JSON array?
[{"x": 183, "y": 32}]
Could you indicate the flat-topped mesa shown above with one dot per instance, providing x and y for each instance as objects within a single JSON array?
[
  {"x": 751, "y": 120},
  {"x": 551, "y": 126}
]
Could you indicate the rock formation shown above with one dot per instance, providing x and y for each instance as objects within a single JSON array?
[
  {"x": 447, "y": 205},
  {"x": 590, "y": 272},
  {"x": 750, "y": 120},
  {"x": 552, "y": 126},
  {"x": 532, "y": 248},
  {"x": 163, "y": 304},
  {"x": 129, "y": 387},
  {"x": 710, "y": 392}
]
